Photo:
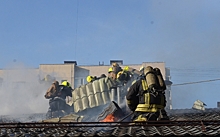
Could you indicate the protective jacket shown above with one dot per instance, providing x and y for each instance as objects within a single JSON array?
[
  {"x": 140, "y": 98},
  {"x": 64, "y": 91}
]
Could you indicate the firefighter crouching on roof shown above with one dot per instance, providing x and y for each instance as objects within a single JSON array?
[
  {"x": 146, "y": 97},
  {"x": 90, "y": 79},
  {"x": 57, "y": 95}
]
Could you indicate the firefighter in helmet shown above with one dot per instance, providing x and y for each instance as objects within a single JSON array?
[
  {"x": 66, "y": 89},
  {"x": 91, "y": 78},
  {"x": 111, "y": 74},
  {"x": 146, "y": 97},
  {"x": 113, "y": 71},
  {"x": 57, "y": 95},
  {"x": 66, "y": 84}
]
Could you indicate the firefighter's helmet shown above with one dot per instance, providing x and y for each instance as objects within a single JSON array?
[
  {"x": 66, "y": 83},
  {"x": 110, "y": 70},
  {"x": 89, "y": 78},
  {"x": 126, "y": 68},
  {"x": 122, "y": 76}
]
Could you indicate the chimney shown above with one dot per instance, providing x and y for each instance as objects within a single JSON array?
[
  {"x": 101, "y": 64},
  {"x": 218, "y": 104},
  {"x": 120, "y": 62},
  {"x": 70, "y": 62}
]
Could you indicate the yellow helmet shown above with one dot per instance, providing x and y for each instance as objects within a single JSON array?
[
  {"x": 110, "y": 70},
  {"x": 122, "y": 76},
  {"x": 65, "y": 83},
  {"x": 126, "y": 68},
  {"x": 89, "y": 78}
]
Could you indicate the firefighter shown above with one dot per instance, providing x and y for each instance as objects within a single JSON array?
[
  {"x": 91, "y": 78},
  {"x": 124, "y": 75},
  {"x": 146, "y": 99},
  {"x": 113, "y": 71},
  {"x": 66, "y": 93},
  {"x": 57, "y": 95}
]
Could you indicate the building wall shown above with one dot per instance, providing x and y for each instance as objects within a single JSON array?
[
  {"x": 59, "y": 71},
  {"x": 97, "y": 70}
]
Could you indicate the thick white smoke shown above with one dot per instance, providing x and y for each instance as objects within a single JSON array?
[{"x": 21, "y": 92}]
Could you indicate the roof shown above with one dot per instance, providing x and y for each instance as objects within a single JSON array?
[{"x": 184, "y": 122}]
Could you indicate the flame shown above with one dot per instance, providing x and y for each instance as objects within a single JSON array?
[{"x": 109, "y": 118}]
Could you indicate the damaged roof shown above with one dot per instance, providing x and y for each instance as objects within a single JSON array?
[{"x": 184, "y": 122}]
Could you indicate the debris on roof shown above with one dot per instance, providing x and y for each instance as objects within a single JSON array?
[{"x": 199, "y": 105}]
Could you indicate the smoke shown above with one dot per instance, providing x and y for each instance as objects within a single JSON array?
[{"x": 21, "y": 92}]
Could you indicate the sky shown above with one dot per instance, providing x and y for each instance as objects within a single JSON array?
[{"x": 183, "y": 34}]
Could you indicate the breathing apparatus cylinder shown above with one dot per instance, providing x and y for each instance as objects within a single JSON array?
[
  {"x": 151, "y": 78},
  {"x": 160, "y": 79}
]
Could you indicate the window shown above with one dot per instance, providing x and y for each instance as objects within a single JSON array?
[{"x": 79, "y": 81}]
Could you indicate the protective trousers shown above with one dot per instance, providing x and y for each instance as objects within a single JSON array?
[{"x": 57, "y": 104}]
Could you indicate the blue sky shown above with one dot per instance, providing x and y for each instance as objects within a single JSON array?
[{"x": 183, "y": 34}]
